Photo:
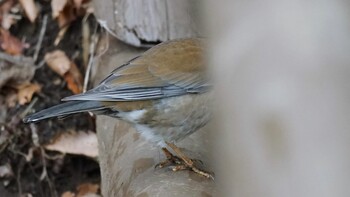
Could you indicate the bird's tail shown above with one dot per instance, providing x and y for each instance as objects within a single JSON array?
[{"x": 64, "y": 109}]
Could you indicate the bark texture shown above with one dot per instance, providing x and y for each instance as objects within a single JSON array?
[{"x": 144, "y": 23}]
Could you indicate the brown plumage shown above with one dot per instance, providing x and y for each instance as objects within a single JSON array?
[{"x": 164, "y": 93}]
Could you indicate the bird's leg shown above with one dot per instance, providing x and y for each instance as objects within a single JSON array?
[
  {"x": 187, "y": 162},
  {"x": 170, "y": 159}
]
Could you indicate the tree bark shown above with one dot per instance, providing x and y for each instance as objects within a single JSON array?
[{"x": 144, "y": 23}]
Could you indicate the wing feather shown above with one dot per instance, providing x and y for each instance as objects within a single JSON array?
[{"x": 170, "y": 69}]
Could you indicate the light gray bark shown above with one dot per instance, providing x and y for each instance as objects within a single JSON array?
[{"x": 143, "y": 23}]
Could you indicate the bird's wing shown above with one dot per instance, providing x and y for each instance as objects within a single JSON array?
[{"x": 170, "y": 69}]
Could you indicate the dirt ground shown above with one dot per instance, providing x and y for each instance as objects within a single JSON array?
[{"x": 26, "y": 167}]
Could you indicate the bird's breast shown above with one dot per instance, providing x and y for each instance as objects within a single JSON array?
[{"x": 171, "y": 119}]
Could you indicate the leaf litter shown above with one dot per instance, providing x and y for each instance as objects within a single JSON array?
[{"x": 34, "y": 76}]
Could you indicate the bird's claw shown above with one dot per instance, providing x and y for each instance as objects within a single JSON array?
[
  {"x": 169, "y": 162},
  {"x": 177, "y": 164}
]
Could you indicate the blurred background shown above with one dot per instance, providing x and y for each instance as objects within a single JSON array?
[{"x": 282, "y": 97}]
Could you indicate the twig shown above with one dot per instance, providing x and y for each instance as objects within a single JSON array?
[
  {"x": 107, "y": 44},
  {"x": 91, "y": 60},
  {"x": 40, "y": 64},
  {"x": 104, "y": 25},
  {"x": 35, "y": 137},
  {"x": 55, "y": 157},
  {"x": 30, "y": 106},
  {"x": 85, "y": 31},
  {"x": 60, "y": 35},
  {"x": 41, "y": 37},
  {"x": 18, "y": 177},
  {"x": 44, "y": 174}
]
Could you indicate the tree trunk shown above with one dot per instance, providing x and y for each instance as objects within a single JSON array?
[{"x": 144, "y": 23}]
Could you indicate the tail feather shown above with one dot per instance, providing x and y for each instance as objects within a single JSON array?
[{"x": 64, "y": 109}]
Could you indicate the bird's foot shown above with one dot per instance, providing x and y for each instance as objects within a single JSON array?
[
  {"x": 193, "y": 168},
  {"x": 171, "y": 160},
  {"x": 182, "y": 162}
]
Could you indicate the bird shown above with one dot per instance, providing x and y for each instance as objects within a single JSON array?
[{"x": 165, "y": 93}]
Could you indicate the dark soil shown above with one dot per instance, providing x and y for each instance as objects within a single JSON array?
[{"x": 64, "y": 172}]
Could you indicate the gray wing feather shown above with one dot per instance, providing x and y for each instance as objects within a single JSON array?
[
  {"x": 164, "y": 84},
  {"x": 106, "y": 92}
]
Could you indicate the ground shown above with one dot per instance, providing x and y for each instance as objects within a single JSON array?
[{"x": 64, "y": 172}]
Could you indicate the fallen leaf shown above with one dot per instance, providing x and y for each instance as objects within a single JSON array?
[
  {"x": 66, "y": 11},
  {"x": 74, "y": 79},
  {"x": 60, "y": 35},
  {"x": 57, "y": 6},
  {"x": 6, "y": 18},
  {"x": 77, "y": 3},
  {"x": 77, "y": 143},
  {"x": 7, "y": 21},
  {"x": 68, "y": 194},
  {"x": 25, "y": 92},
  {"x": 72, "y": 84},
  {"x": 30, "y": 9},
  {"x": 6, "y": 171},
  {"x": 87, "y": 188},
  {"x": 58, "y": 62},
  {"x": 11, "y": 44},
  {"x": 67, "y": 15},
  {"x": 62, "y": 65}
]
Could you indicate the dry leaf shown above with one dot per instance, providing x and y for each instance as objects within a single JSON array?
[
  {"x": 6, "y": 18},
  {"x": 68, "y": 194},
  {"x": 60, "y": 35},
  {"x": 25, "y": 92},
  {"x": 57, "y": 6},
  {"x": 72, "y": 84},
  {"x": 63, "y": 10},
  {"x": 58, "y": 62},
  {"x": 62, "y": 65},
  {"x": 77, "y": 3},
  {"x": 67, "y": 15},
  {"x": 11, "y": 44},
  {"x": 67, "y": 11},
  {"x": 87, "y": 188},
  {"x": 78, "y": 143},
  {"x": 74, "y": 79},
  {"x": 6, "y": 171},
  {"x": 30, "y": 9}
]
